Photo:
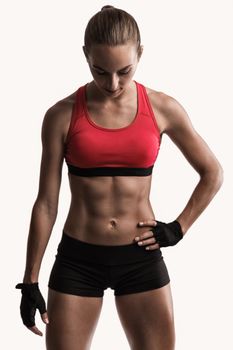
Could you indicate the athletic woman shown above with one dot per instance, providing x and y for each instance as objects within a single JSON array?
[{"x": 109, "y": 132}]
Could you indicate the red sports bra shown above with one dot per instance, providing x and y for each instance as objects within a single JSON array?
[{"x": 92, "y": 150}]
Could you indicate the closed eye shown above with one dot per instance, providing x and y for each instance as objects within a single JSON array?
[
  {"x": 126, "y": 72},
  {"x": 100, "y": 73},
  {"x": 121, "y": 73}
]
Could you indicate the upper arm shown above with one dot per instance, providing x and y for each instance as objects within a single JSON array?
[
  {"x": 178, "y": 127},
  {"x": 52, "y": 138}
]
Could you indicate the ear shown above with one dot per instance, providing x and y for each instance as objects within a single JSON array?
[{"x": 140, "y": 51}]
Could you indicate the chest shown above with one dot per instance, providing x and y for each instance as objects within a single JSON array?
[
  {"x": 112, "y": 116},
  {"x": 112, "y": 135}
]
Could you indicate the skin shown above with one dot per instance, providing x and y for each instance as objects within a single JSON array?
[{"x": 107, "y": 210}]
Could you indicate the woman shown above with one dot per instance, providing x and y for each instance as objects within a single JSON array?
[{"x": 109, "y": 133}]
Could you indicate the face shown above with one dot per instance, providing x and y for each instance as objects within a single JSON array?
[{"x": 113, "y": 67}]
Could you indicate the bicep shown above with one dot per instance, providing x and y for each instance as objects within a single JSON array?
[
  {"x": 51, "y": 161},
  {"x": 181, "y": 131}
]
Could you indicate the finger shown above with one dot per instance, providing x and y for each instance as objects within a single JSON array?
[
  {"x": 35, "y": 330},
  {"x": 45, "y": 318},
  {"x": 152, "y": 246},
  {"x": 147, "y": 241},
  {"x": 149, "y": 222},
  {"x": 144, "y": 235}
]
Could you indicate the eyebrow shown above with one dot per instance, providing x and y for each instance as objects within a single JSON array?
[{"x": 105, "y": 71}]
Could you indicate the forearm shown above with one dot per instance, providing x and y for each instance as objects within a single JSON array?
[
  {"x": 42, "y": 221},
  {"x": 202, "y": 195}
]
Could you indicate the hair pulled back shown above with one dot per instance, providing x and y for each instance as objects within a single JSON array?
[{"x": 111, "y": 26}]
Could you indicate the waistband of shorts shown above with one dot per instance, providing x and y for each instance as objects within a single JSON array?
[{"x": 76, "y": 249}]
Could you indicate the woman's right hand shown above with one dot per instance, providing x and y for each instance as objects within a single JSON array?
[{"x": 31, "y": 300}]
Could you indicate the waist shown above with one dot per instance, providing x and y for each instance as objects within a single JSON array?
[
  {"x": 107, "y": 224},
  {"x": 75, "y": 249}
]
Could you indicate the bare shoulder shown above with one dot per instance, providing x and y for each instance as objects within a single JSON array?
[
  {"x": 156, "y": 97},
  {"x": 168, "y": 111},
  {"x": 176, "y": 123},
  {"x": 57, "y": 117}
]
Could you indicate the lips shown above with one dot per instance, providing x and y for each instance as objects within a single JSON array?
[{"x": 112, "y": 92}]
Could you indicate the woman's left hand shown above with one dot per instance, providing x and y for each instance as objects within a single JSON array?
[{"x": 147, "y": 238}]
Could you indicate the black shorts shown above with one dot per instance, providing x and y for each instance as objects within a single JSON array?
[{"x": 86, "y": 269}]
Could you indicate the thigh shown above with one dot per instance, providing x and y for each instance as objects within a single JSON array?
[
  {"x": 72, "y": 321},
  {"x": 147, "y": 319}
]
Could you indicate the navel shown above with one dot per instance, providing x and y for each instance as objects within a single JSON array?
[{"x": 113, "y": 223}]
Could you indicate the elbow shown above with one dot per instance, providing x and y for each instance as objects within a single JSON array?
[
  {"x": 220, "y": 176},
  {"x": 46, "y": 207},
  {"x": 217, "y": 181},
  {"x": 214, "y": 177}
]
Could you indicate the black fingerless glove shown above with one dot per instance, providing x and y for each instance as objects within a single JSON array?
[
  {"x": 167, "y": 234},
  {"x": 31, "y": 300}
]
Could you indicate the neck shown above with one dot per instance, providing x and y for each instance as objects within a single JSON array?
[{"x": 94, "y": 94}]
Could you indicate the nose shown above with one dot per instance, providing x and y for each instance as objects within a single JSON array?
[{"x": 112, "y": 83}]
